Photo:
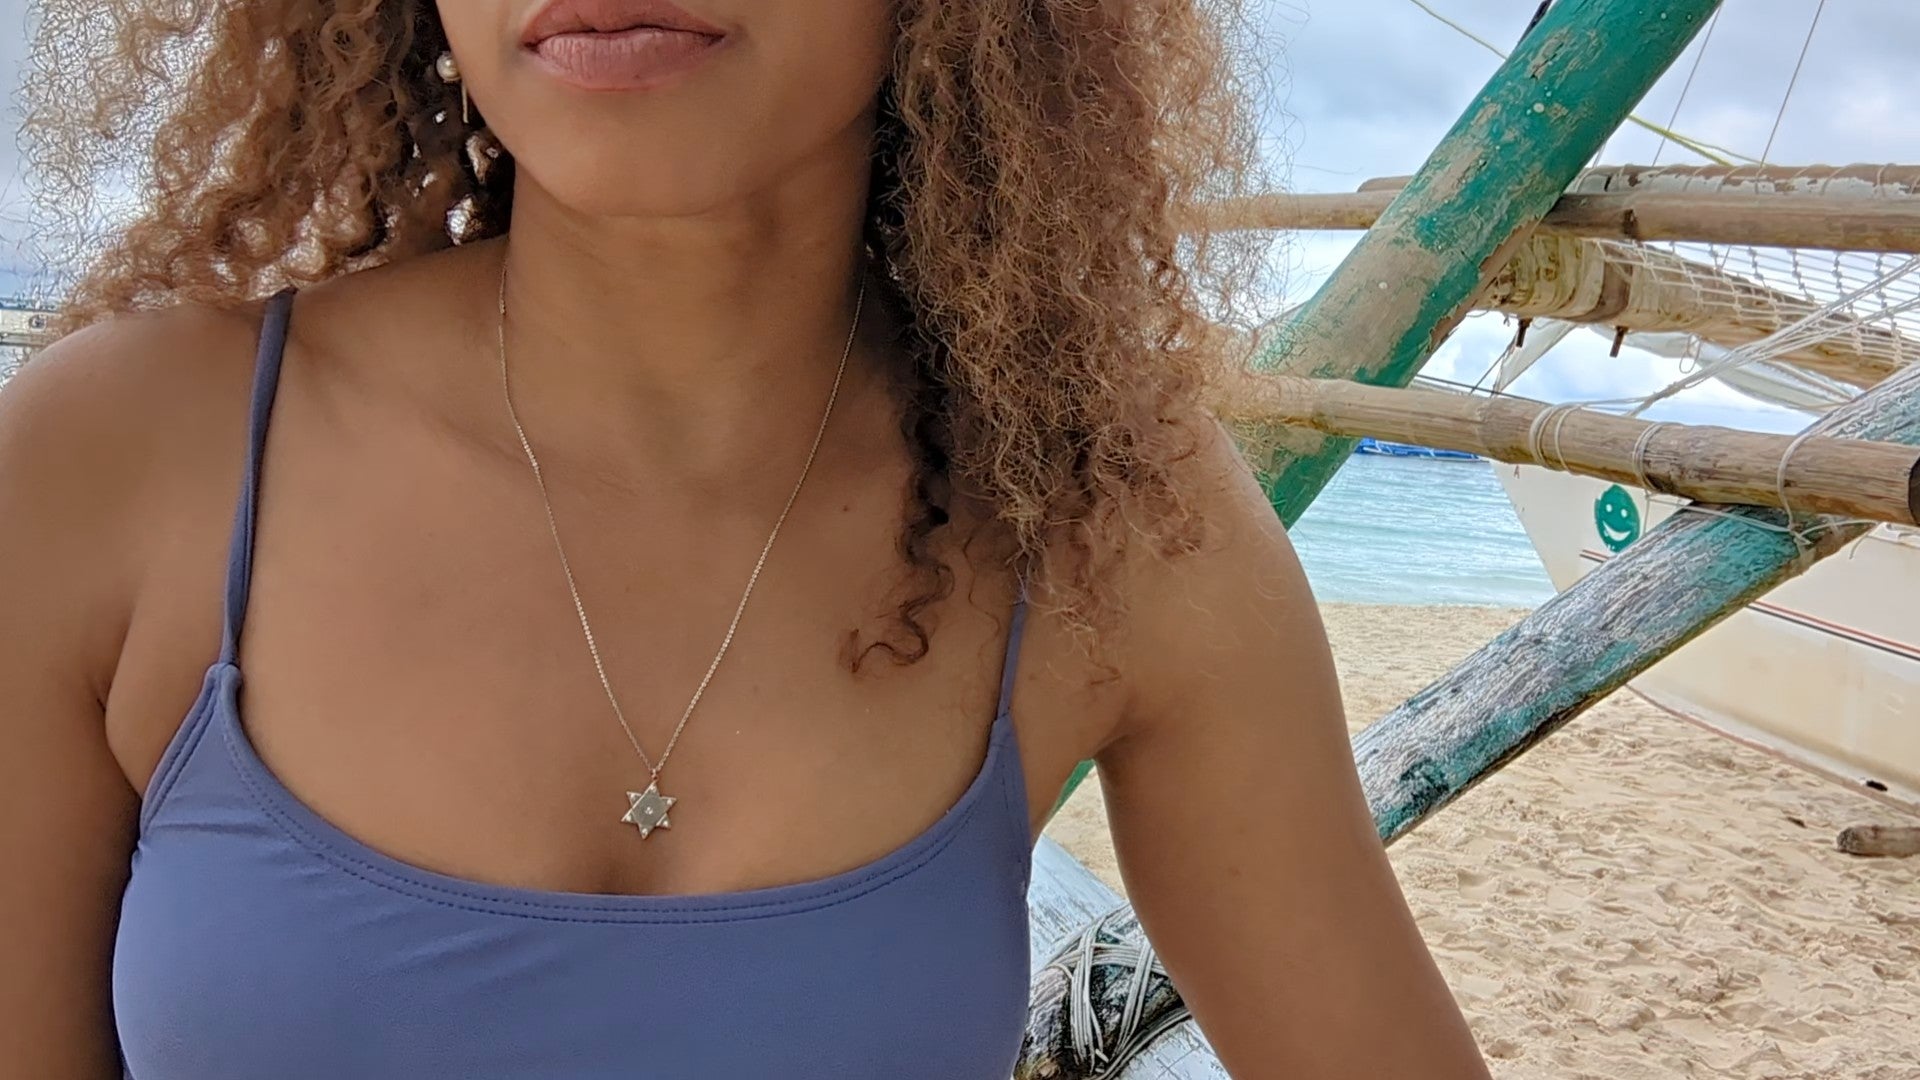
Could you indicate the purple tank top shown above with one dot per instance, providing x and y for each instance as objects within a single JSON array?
[{"x": 257, "y": 940}]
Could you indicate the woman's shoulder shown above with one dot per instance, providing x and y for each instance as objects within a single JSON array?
[
  {"x": 111, "y": 432},
  {"x": 1232, "y": 602},
  {"x": 119, "y": 399},
  {"x": 1232, "y": 531}
]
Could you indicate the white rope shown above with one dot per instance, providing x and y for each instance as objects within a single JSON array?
[
  {"x": 1815, "y": 326},
  {"x": 1780, "y": 474},
  {"x": 1556, "y": 416},
  {"x": 1099, "y": 944},
  {"x": 1640, "y": 455}
]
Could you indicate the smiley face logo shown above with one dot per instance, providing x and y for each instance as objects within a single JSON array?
[{"x": 1616, "y": 518}]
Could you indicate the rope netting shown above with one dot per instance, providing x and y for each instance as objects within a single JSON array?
[{"x": 1856, "y": 315}]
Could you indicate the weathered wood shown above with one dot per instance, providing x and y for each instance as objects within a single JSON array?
[
  {"x": 1413, "y": 277},
  {"x": 1648, "y": 289},
  {"x": 1851, "y": 478},
  {"x": 1864, "y": 180},
  {"x": 1332, "y": 212},
  {"x": 1880, "y": 841},
  {"x": 1830, "y": 223},
  {"x": 1689, "y": 573},
  {"x": 1063, "y": 898},
  {"x": 24, "y": 324}
]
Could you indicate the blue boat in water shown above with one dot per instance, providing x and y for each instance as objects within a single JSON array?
[{"x": 1370, "y": 445}]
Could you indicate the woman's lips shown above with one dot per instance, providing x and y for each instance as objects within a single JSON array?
[{"x": 640, "y": 58}]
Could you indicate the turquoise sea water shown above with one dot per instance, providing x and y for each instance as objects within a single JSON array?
[{"x": 1408, "y": 531}]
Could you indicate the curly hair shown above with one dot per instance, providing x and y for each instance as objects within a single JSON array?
[{"x": 1034, "y": 164}]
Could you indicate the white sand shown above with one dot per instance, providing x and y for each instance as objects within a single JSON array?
[{"x": 1636, "y": 897}]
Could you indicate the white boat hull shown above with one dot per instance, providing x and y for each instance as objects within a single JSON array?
[{"x": 1824, "y": 670}]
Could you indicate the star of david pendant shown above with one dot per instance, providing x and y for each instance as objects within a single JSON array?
[{"x": 647, "y": 810}]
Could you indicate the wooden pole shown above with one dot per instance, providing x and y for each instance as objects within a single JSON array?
[
  {"x": 1413, "y": 277},
  {"x": 1064, "y": 900},
  {"x": 1859, "y": 180},
  {"x": 1698, "y": 298},
  {"x": 1689, "y": 573},
  {"x": 1828, "y": 223},
  {"x": 23, "y": 325},
  {"x": 1823, "y": 475},
  {"x": 1879, "y": 841}
]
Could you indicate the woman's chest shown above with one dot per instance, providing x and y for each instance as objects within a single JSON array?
[{"x": 437, "y": 698}]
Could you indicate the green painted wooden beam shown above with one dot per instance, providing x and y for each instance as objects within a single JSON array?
[
  {"x": 1079, "y": 773},
  {"x": 1670, "y": 586},
  {"x": 1413, "y": 276}
]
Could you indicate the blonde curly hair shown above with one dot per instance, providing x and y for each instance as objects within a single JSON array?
[{"x": 1034, "y": 166}]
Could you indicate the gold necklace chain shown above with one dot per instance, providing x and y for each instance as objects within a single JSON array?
[{"x": 647, "y": 810}]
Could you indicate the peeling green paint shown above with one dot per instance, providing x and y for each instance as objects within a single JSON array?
[{"x": 1495, "y": 174}]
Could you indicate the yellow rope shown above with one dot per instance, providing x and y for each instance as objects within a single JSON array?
[{"x": 1719, "y": 155}]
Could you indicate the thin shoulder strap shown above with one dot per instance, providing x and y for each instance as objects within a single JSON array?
[
  {"x": 266, "y": 379},
  {"x": 1010, "y": 664}
]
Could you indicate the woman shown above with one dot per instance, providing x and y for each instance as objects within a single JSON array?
[{"x": 874, "y": 315}]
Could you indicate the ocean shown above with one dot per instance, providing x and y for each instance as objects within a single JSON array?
[{"x": 1409, "y": 531}]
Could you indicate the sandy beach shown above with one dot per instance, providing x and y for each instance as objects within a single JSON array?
[{"x": 1637, "y": 897}]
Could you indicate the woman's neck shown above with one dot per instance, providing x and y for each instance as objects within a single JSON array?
[{"x": 696, "y": 339}]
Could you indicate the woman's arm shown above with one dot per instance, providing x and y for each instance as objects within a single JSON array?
[
  {"x": 1239, "y": 823},
  {"x": 68, "y": 459}
]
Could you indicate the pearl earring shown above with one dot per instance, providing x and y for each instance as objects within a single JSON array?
[{"x": 449, "y": 71}]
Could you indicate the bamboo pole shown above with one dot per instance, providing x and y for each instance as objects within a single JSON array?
[
  {"x": 1413, "y": 277},
  {"x": 1851, "y": 478},
  {"x": 1689, "y": 573},
  {"x": 1858, "y": 180},
  {"x": 1831, "y": 223}
]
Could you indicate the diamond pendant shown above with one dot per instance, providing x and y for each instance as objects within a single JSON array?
[{"x": 647, "y": 810}]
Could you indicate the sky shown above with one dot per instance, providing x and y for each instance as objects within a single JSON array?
[
  {"x": 13, "y": 212},
  {"x": 1364, "y": 88}
]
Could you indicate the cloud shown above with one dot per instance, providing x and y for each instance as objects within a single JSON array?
[
  {"x": 13, "y": 194},
  {"x": 1375, "y": 84}
]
